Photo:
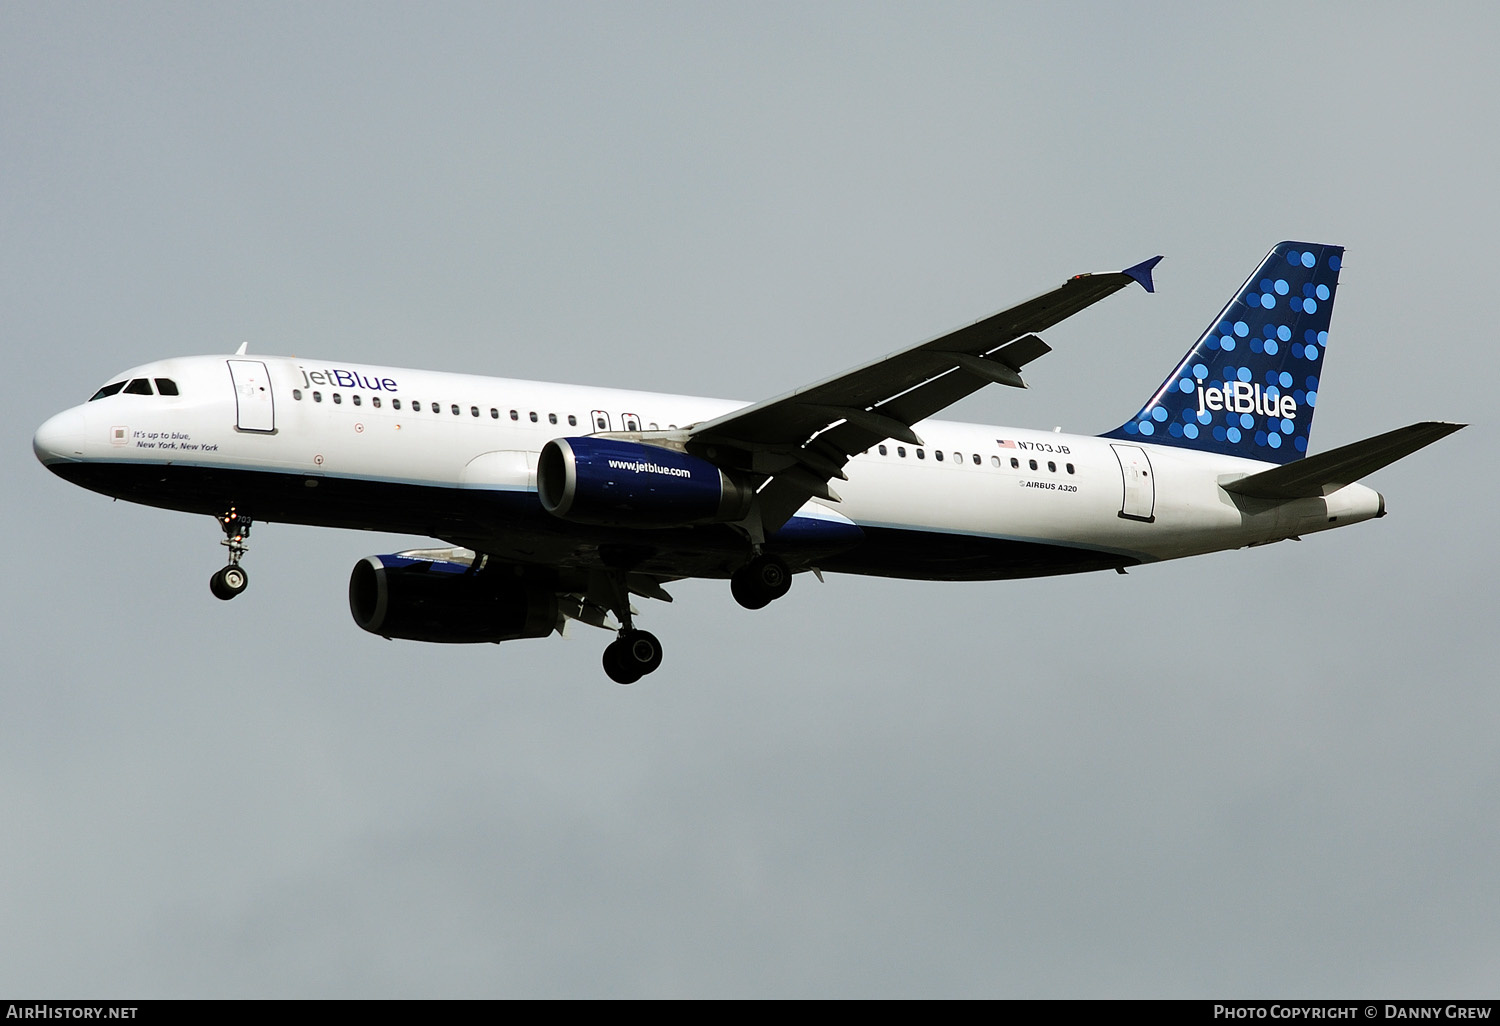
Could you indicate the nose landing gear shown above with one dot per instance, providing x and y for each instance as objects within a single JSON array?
[
  {"x": 232, "y": 579},
  {"x": 228, "y": 582}
]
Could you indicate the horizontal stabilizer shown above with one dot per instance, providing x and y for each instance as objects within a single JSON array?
[{"x": 1329, "y": 471}]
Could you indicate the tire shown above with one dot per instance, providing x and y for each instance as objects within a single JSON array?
[
  {"x": 760, "y": 582},
  {"x": 228, "y": 582},
  {"x": 641, "y": 651},
  {"x": 617, "y": 666},
  {"x": 746, "y": 593}
]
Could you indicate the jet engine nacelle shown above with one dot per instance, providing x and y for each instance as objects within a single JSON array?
[
  {"x": 628, "y": 484},
  {"x": 398, "y": 596}
]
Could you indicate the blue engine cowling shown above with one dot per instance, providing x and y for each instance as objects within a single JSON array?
[
  {"x": 397, "y": 596},
  {"x": 627, "y": 484}
]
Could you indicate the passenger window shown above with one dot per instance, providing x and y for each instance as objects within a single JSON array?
[
  {"x": 108, "y": 390},
  {"x": 1015, "y": 464},
  {"x": 994, "y": 460},
  {"x": 454, "y": 408},
  {"x": 375, "y": 401},
  {"x": 883, "y": 451},
  {"x": 138, "y": 386},
  {"x": 338, "y": 400},
  {"x": 1070, "y": 468},
  {"x": 632, "y": 422},
  {"x": 1052, "y": 466},
  {"x": 937, "y": 454},
  {"x": 317, "y": 397},
  {"x": 533, "y": 416},
  {"x": 958, "y": 457},
  {"x": 901, "y": 451},
  {"x": 354, "y": 399},
  {"x": 297, "y": 394},
  {"x": 551, "y": 418},
  {"x": 166, "y": 386},
  {"x": 600, "y": 423},
  {"x": 572, "y": 421},
  {"x": 494, "y": 413},
  {"x": 1033, "y": 464},
  {"x": 979, "y": 463},
  {"x": 514, "y": 415},
  {"x": 395, "y": 404},
  {"x": 921, "y": 455},
  {"x": 438, "y": 409},
  {"x": 474, "y": 411}
]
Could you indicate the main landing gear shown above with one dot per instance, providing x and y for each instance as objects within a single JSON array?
[
  {"x": 760, "y": 582},
  {"x": 232, "y": 579},
  {"x": 634, "y": 653},
  {"x": 631, "y": 656}
]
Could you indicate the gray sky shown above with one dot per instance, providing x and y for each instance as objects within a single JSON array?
[{"x": 1265, "y": 773}]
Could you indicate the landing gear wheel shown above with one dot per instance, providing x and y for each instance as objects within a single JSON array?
[
  {"x": 642, "y": 650},
  {"x": 760, "y": 582},
  {"x": 228, "y": 582},
  {"x": 615, "y": 667},
  {"x": 631, "y": 656}
]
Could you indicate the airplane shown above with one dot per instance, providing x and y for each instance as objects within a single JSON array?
[{"x": 562, "y": 502}]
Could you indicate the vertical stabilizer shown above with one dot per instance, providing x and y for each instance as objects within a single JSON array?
[{"x": 1249, "y": 386}]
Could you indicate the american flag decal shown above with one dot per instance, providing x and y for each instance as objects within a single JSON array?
[{"x": 1005, "y": 443}]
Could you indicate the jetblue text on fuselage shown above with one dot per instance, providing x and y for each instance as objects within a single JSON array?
[
  {"x": 1243, "y": 397},
  {"x": 647, "y": 467},
  {"x": 336, "y": 378}
]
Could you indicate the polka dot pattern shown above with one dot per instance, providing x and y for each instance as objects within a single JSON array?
[{"x": 1249, "y": 386}]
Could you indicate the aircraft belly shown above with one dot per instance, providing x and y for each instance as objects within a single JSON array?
[
  {"x": 925, "y": 555},
  {"x": 508, "y": 524}
]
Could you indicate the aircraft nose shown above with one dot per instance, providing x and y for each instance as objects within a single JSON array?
[{"x": 60, "y": 439}]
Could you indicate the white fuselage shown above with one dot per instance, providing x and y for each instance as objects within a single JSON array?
[{"x": 382, "y": 448}]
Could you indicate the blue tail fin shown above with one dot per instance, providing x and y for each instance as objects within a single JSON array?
[{"x": 1250, "y": 384}]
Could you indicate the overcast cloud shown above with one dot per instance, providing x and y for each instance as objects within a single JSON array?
[{"x": 1268, "y": 773}]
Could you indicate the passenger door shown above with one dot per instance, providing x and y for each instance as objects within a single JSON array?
[
  {"x": 255, "y": 407},
  {"x": 1139, "y": 502}
]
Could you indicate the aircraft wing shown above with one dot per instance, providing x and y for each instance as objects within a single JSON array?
[{"x": 801, "y": 440}]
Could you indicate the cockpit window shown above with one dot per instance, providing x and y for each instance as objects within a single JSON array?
[
  {"x": 138, "y": 386},
  {"x": 109, "y": 389},
  {"x": 166, "y": 386}
]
